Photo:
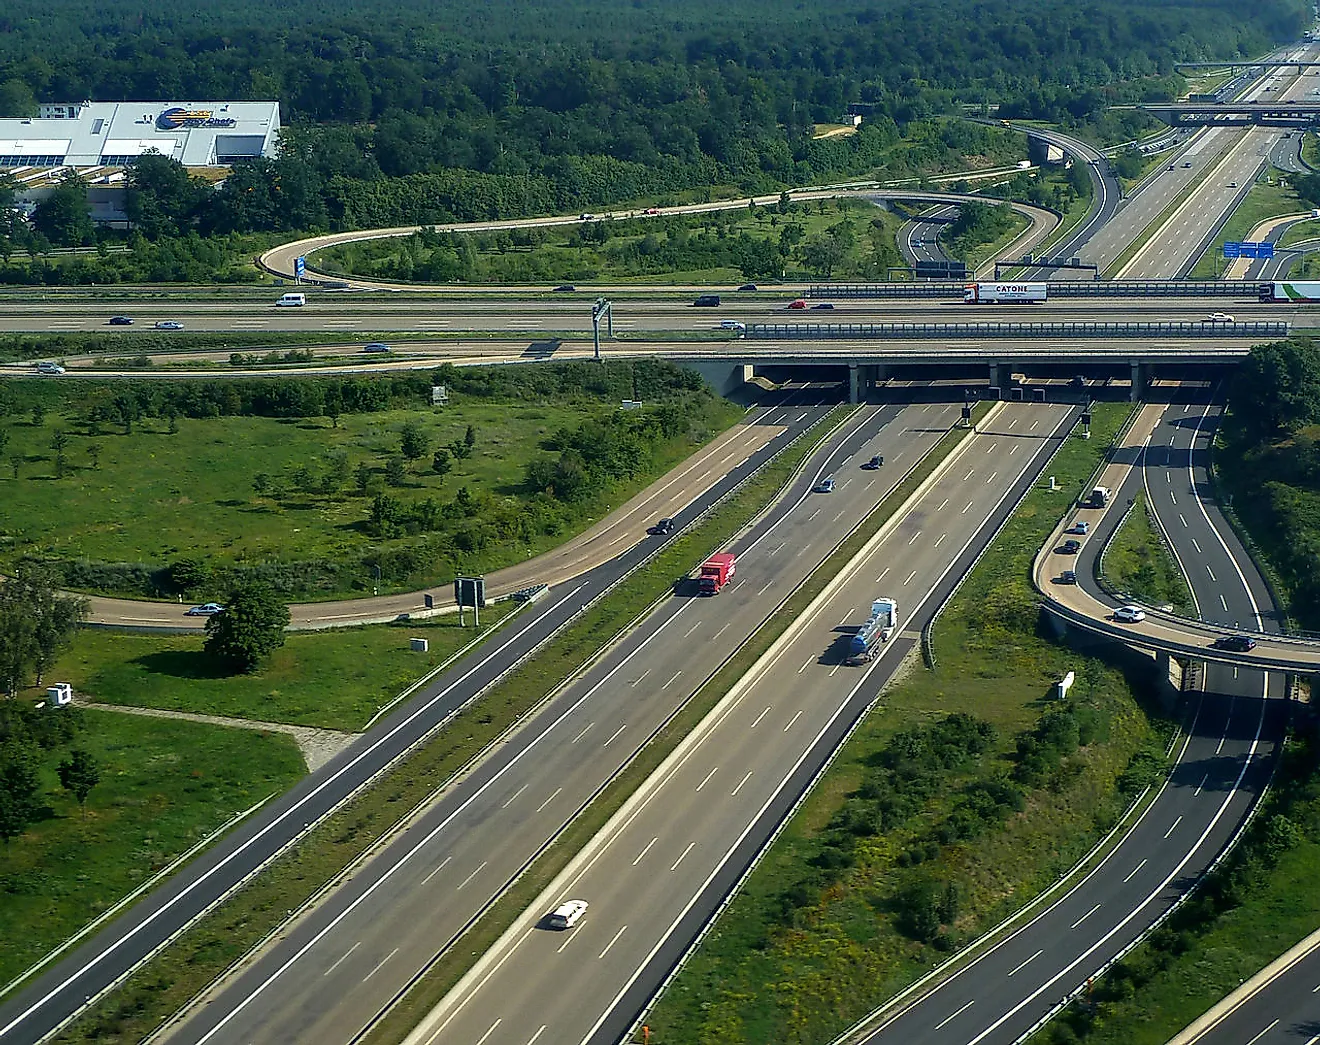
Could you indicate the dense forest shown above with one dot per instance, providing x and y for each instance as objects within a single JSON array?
[{"x": 423, "y": 113}]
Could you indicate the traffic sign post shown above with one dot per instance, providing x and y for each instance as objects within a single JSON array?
[{"x": 299, "y": 269}]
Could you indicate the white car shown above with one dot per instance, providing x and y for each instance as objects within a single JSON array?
[
  {"x": 566, "y": 915},
  {"x": 49, "y": 368},
  {"x": 1221, "y": 317},
  {"x": 206, "y": 609},
  {"x": 1129, "y": 615}
]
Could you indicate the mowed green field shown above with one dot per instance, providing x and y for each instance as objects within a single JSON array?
[
  {"x": 158, "y": 496},
  {"x": 333, "y": 679},
  {"x": 164, "y": 787}
]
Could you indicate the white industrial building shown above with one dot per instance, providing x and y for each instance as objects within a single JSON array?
[{"x": 113, "y": 134}]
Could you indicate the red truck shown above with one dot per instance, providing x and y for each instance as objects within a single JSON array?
[{"x": 716, "y": 572}]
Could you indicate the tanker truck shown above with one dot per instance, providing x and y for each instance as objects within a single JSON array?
[{"x": 882, "y": 623}]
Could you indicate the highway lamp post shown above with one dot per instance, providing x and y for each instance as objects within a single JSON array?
[{"x": 601, "y": 308}]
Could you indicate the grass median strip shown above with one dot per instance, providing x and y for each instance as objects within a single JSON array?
[
  {"x": 449, "y": 969},
  {"x": 965, "y": 792},
  {"x": 1137, "y": 563},
  {"x": 223, "y": 937}
]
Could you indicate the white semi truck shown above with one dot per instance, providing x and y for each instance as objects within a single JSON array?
[{"x": 1005, "y": 293}]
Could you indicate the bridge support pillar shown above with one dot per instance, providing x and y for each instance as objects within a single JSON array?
[
  {"x": 1138, "y": 380},
  {"x": 1000, "y": 377},
  {"x": 854, "y": 395},
  {"x": 748, "y": 372}
]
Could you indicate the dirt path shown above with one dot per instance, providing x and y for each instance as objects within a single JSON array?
[{"x": 318, "y": 746}]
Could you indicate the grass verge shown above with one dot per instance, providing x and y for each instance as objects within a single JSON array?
[
  {"x": 1137, "y": 562},
  {"x": 874, "y": 880},
  {"x": 447, "y": 972},
  {"x": 1255, "y": 906},
  {"x": 330, "y": 679},
  {"x": 164, "y": 787},
  {"x": 203, "y": 952}
]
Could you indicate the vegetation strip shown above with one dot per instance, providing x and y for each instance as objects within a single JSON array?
[
  {"x": 1136, "y": 562},
  {"x": 205, "y": 950},
  {"x": 449, "y": 969}
]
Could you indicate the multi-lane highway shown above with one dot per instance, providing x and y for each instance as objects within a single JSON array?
[
  {"x": 1233, "y": 723},
  {"x": 332, "y": 972},
  {"x": 330, "y": 313},
  {"x": 649, "y": 875},
  {"x": 66, "y": 988}
]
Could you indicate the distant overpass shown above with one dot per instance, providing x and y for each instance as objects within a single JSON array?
[
  {"x": 1235, "y": 114},
  {"x": 1232, "y": 66}
]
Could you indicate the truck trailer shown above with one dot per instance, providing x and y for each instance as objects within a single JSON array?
[
  {"x": 716, "y": 572},
  {"x": 866, "y": 643},
  {"x": 1297, "y": 291},
  {"x": 1005, "y": 293}
]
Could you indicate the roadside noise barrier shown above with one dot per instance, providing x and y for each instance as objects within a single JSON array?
[
  {"x": 929, "y": 331},
  {"x": 1073, "y": 288}
]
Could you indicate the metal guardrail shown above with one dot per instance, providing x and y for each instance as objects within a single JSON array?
[
  {"x": 927, "y": 331},
  {"x": 1107, "y": 288}
]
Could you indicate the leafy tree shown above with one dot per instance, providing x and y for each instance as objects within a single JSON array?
[
  {"x": 261, "y": 484},
  {"x": 334, "y": 404},
  {"x": 1277, "y": 387},
  {"x": 441, "y": 462},
  {"x": 395, "y": 471},
  {"x": 161, "y": 198},
  {"x": 413, "y": 440},
  {"x": 94, "y": 452},
  {"x": 470, "y": 438},
  {"x": 59, "y": 442},
  {"x": 362, "y": 476},
  {"x": 248, "y": 629},
  {"x": 19, "y": 786},
  {"x": 79, "y": 773},
  {"x": 36, "y": 623},
  {"x": 64, "y": 217}
]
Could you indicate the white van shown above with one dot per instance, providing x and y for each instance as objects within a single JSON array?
[
  {"x": 291, "y": 301},
  {"x": 566, "y": 915}
]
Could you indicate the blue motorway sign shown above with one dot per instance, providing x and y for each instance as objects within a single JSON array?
[
  {"x": 299, "y": 267},
  {"x": 1234, "y": 249}
]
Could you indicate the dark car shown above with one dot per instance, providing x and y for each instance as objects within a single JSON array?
[
  {"x": 662, "y": 527},
  {"x": 1068, "y": 577},
  {"x": 1077, "y": 382},
  {"x": 874, "y": 462},
  {"x": 1070, "y": 547},
  {"x": 707, "y": 301},
  {"x": 748, "y": 286},
  {"x": 1235, "y": 643},
  {"x": 824, "y": 304},
  {"x": 121, "y": 321},
  {"x": 376, "y": 346},
  {"x": 565, "y": 288}
]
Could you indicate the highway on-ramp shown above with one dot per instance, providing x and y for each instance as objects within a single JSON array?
[
  {"x": 65, "y": 989},
  {"x": 654, "y": 875}
]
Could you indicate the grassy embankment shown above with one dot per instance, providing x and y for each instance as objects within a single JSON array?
[
  {"x": 188, "y": 489},
  {"x": 167, "y": 784},
  {"x": 888, "y": 866},
  {"x": 1138, "y": 563},
  {"x": 164, "y": 787},
  {"x": 1262, "y": 201},
  {"x": 208, "y": 948},
  {"x": 329, "y": 679}
]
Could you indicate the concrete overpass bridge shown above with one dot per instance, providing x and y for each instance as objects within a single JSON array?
[{"x": 1234, "y": 114}]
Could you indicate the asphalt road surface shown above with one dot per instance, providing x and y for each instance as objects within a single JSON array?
[
  {"x": 335, "y": 315},
  {"x": 63, "y": 990},
  {"x": 1223, "y": 762},
  {"x": 654, "y": 875},
  {"x": 331, "y": 973}
]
